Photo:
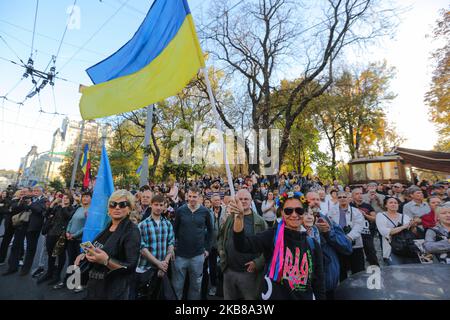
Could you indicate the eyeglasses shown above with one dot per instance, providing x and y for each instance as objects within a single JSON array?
[
  {"x": 299, "y": 210},
  {"x": 342, "y": 197},
  {"x": 122, "y": 204}
]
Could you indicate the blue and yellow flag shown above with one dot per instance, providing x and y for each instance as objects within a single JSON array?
[
  {"x": 84, "y": 159},
  {"x": 158, "y": 62}
]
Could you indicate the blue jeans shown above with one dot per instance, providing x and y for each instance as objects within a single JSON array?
[{"x": 195, "y": 268}]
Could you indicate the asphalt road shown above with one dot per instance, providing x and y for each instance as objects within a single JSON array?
[{"x": 15, "y": 287}]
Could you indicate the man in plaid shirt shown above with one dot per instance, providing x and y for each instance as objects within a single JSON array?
[{"x": 157, "y": 243}]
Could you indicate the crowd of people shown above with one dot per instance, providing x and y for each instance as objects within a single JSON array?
[{"x": 284, "y": 237}]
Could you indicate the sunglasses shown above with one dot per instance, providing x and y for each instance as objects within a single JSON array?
[
  {"x": 122, "y": 204},
  {"x": 288, "y": 211},
  {"x": 342, "y": 197}
]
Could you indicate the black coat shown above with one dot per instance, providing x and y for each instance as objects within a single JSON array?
[
  {"x": 37, "y": 208},
  {"x": 60, "y": 217},
  {"x": 123, "y": 247},
  {"x": 4, "y": 209}
]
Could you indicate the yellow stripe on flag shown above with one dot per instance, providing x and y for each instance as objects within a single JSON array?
[{"x": 165, "y": 76}]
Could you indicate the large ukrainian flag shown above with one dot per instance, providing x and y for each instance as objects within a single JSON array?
[{"x": 158, "y": 62}]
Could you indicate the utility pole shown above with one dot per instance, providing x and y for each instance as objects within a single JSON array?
[
  {"x": 77, "y": 157},
  {"x": 148, "y": 133}
]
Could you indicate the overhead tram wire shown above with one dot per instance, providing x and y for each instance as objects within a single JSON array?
[
  {"x": 12, "y": 50},
  {"x": 65, "y": 30},
  {"x": 93, "y": 35},
  {"x": 34, "y": 28},
  {"x": 50, "y": 38}
]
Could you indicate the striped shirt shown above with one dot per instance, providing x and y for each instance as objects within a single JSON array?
[{"x": 156, "y": 238}]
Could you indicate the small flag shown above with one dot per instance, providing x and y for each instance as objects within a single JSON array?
[
  {"x": 104, "y": 186},
  {"x": 85, "y": 163},
  {"x": 138, "y": 171}
]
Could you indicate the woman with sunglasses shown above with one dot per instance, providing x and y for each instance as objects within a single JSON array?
[
  {"x": 294, "y": 263},
  {"x": 115, "y": 252}
]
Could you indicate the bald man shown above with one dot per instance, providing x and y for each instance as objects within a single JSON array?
[{"x": 243, "y": 272}]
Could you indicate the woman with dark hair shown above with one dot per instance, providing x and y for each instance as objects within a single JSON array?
[
  {"x": 268, "y": 209},
  {"x": 390, "y": 224},
  {"x": 5, "y": 203},
  {"x": 294, "y": 261},
  {"x": 58, "y": 216}
]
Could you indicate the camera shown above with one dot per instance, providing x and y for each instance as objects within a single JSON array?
[{"x": 347, "y": 230}]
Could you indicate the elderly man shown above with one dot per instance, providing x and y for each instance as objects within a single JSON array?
[
  {"x": 370, "y": 228},
  {"x": 416, "y": 208},
  {"x": 146, "y": 197},
  {"x": 35, "y": 206},
  {"x": 374, "y": 198},
  {"x": 351, "y": 221},
  {"x": 333, "y": 242},
  {"x": 243, "y": 272}
]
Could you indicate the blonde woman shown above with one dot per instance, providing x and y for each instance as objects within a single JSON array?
[
  {"x": 115, "y": 252},
  {"x": 437, "y": 239}
]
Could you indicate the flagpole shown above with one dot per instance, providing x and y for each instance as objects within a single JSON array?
[
  {"x": 77, "y": 157},
  {"x": 219, "y": 128},
  {"x": 148, "y": 132}
]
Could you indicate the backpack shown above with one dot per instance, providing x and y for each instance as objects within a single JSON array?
[{"x": 402, "y": 243}]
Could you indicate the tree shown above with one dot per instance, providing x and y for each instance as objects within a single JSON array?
[
  {"x": 261, "y": 36},
  {"x": 92, "y": 136},
  {"x": 178, "y": 112},
  {"x": 57, "y": 184},
  {"x": 438, "y": 97},
  {"x": 362, "y": 99},
  {"x": 327, "y": 113}
]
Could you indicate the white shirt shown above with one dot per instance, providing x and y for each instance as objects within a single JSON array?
[
  {"x": 268, "y": 215},
  {"x": 355, "y": 220},
  {"x": 324, "y": 206},
  {"x": 385, "y": 226}
]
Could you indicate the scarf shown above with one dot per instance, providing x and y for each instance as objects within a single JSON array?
[{"x": 276, "y": 266}]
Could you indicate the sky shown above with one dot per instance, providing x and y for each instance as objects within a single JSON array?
[{"x": 104, "y": 26}]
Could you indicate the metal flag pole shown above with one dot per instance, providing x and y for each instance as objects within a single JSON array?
[
  {"x": 77, "y": 157},
  {"x": 148, "y": 132},
  {"x": 219, "y": 128}
]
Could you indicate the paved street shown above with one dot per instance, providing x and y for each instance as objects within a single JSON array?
[{"x": 15, "y": 287}]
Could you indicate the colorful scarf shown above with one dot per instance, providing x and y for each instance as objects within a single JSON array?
[{"x": 276, "y": 266}]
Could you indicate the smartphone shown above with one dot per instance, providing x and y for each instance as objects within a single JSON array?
[{"x": 86, "y": 245}]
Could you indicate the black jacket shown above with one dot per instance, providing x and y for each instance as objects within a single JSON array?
[
  {"x": 123, "y": 247},
  {"x": 5, "y": 204},
  {"x": 303, "y": 266},
  {"x": 60, "y": 217},
  {"x": 37, "y": 208}
]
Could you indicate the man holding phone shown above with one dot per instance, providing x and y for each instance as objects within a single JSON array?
[{"x": 334, "y": 244}]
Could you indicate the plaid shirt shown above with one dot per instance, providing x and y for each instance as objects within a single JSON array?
[{"x": 156, "y": 239}]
